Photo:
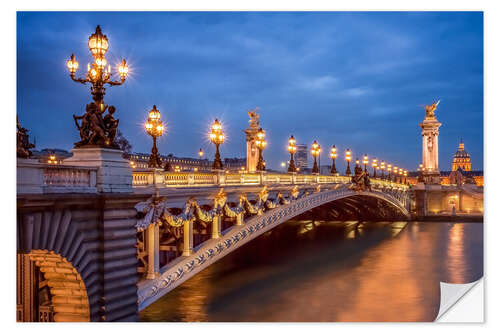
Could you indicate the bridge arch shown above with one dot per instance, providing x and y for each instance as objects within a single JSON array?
[
  {"x": 214, "y": 249},
  {"x": 53, "y": 243},
  {"x": 68, "y": 295}
]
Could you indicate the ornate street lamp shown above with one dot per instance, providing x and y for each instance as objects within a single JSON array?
[
  {"x": 315, "y": 150},
  {"x": 348, "y": 159},
  {"x": 333, "y": 156},
  {"x": 200, "y": 153},
  {"x": 382, "y": 167},
  {"x": 261, "y": 145},
  {"x": 374, "y": 166},
  {"x": 401, "y": 175},
  {"x": 389, "y": 169},
  {"x": 154, "y": 127},
  {"x": 103, "y": 130},
  {"x": 365, "y": 161},
  {"x": 217, "y": 138},
  {"x": 405, "y": 173},
  {"x": 292, "y": 148}
]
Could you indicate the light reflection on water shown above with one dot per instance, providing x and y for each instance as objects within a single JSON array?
[{"x": 311, "y": 271}]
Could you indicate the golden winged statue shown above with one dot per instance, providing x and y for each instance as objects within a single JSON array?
[{"x": 429, "y": 109}]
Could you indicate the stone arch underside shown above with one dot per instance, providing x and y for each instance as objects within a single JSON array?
[
  {"x": 69, "y": 295},
  {"x": 57, "y": 245}
]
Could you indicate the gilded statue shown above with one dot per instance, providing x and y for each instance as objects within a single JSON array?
[
  {"x": 429, "y": 109},
  {"x": 254, "y": 118}
]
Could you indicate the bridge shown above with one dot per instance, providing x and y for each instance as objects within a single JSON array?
[{"x": 106, "y": 256}]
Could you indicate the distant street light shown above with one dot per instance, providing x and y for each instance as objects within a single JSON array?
[
  {"x": 315, "y": 150},
  {"x": 348, "y": 159},
  {"x": 389, "y": 170},
  {"x": 261, "y": 145},
  {"x": 154, "y": 127},
  {"x": 292, "y": 148},
  {"x": 374, "y": 166},
  {"x": 200, "y": 153},
  {"x": 365, "y": 161},
  {"x": 382, "y": 167},
  {"x": 333, "y": 156},
  {"x": 217, "y": 138}
]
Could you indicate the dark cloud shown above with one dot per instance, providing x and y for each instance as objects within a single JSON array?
[{"x": 356, "y": 80}]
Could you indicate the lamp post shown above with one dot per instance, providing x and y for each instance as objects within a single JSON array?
[
  {"x": 217, "y": 138},
  {"x": 357, "y": 167},
  {"x": 261, "y": 145},
  {"x": 315, "y": 150},
  {"x": 405, "y": 173},
  {"x": 348, "y": 159},
  {"x": 99, "y": 72},
  {"x": 382, "y": 167},
  {"x": 374, "y": 166},
  {"x": 292, "y": 148},
  {"x": 200, "y": 153},
  {"x": 154, "y": 127},
  {"x": 333, "y": 156},
  {"x": 365, "y": 161},
  {"x": 401, "y": 175},
  {"x": 389, "y": 169}
]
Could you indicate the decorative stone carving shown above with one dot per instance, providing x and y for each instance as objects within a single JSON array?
[
  {"x": 96, "y": 131},
  {"x": 23, "y": 143}
]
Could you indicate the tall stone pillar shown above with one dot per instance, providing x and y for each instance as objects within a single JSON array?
[
  {"x": 430, "y": 154},
  {"x": 251, "y": 136}
]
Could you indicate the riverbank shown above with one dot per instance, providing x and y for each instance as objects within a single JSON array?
[{"x": 450, "y": 218}]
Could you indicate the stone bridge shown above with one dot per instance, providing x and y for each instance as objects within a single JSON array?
[{"x": 87, "y": 255}]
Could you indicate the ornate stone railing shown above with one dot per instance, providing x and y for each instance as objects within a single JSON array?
[
  {"x": 37, "y": 178},
  {"x": 144, "y": 178}
]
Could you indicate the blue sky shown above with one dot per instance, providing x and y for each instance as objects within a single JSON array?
[{"x": 358, "y": 80}]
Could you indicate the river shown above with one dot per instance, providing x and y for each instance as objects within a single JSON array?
[{"x": 331, "y": 271}]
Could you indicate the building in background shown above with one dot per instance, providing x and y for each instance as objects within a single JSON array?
[
  {"x": 140, "y": 160},
  {"x": 461, "y": 159},
  {"x": 301, "y": 157}
]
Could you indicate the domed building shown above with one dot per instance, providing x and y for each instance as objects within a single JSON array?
[{"x": 461, "y": 159}]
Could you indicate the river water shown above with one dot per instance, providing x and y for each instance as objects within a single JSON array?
[{"x": 331, "y": 271}]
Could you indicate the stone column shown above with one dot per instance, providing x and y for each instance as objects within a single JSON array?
[
  {"x": 153, "y": 244},
  {"x": 188, "y": 239},
  {"x": 216, "y": 222},
  {"x": 430, "y": 132}
]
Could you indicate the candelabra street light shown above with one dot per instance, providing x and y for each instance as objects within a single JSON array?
[
  {"x": 405, "y": 173},
  {"x": 154, "y": 127},
  {"x": 261, "y": 145},
  {"x": 374, "y": 166},
  {"x": 94, "y": 129},
  {"x": 382, "y": 167},
  {"x": 315, "y": 150},
  {"x": 348, "y": 159},
  {"x": 292, "y": 148},
  {"x": 217, "y": 138},
  {"x": 401, "y": 175},
  {"x": 389, "y": 169},
  {"x": 333, "y": 156},
  {"x": 365, "y": 161}
]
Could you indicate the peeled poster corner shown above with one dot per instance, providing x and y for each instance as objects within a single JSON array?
[{"x": 461, "y": 303}]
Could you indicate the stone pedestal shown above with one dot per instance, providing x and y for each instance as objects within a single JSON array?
[
  {"x": 430, "y": 152},
  {"x": 252, "y": 151},
  {"x": 29, "y": 176},
  {"x": 114, "y": 173}
]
